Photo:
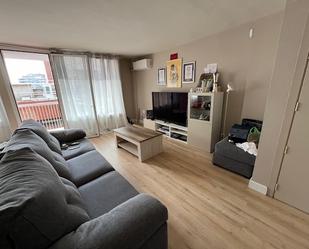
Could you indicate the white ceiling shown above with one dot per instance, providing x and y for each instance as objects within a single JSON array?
[{"x": 127, "y": 27}]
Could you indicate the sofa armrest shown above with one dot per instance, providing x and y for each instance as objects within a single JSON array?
[
  {"x": 68, "y": 135},
  {"x": 128, "y": 225}
]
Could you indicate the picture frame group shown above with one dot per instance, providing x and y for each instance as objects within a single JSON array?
[{"x": 176, "y": 73}]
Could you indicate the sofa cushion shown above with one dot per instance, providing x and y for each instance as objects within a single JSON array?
[
  {"x": 139, "y": 223},
  {"x": 36, "y": 208},
  {"x": 68, "y": 135},
  {"x": 27, "y": 138},
  {"x": 106, "y": 192},
  {"x": 77, "y": 150},
  {"x": 42, "y": 132},
  {"x": 87, "y": 167},
  {"x": 231, "y": 151}
]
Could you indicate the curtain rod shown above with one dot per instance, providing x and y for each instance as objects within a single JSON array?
[
  {"x": 15, "y": 47},
  {"x": 76, "y": 52},
  {"x": 24, "y": 48}
]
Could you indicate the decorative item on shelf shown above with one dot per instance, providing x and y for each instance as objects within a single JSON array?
[
  {"x": 206, "y": 82},
  {"x": 209, "y": 85},
  {"x": 204, "y": 116},
  {"x": 206, "y": 105},
  {"x": 143, "y": 114},
  {"x": 215, "y": 88},
  {"x": 149, "y": 114},
  {"x": 198, "y": 90},
  {"x": 161, "y": 76},
  {"x": 173, "y": 68},
  {"x": 188, "y": 69}
]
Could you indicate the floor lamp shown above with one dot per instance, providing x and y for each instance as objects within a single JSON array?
[{"x": 228, "y": 90}]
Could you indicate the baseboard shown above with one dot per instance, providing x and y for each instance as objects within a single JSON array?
[{"x": 257, "y": 187}]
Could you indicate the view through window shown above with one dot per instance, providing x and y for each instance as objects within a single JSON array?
[{"x": 33, "y": 86}]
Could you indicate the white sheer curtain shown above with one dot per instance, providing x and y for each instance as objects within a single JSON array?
[
  {"x": 5, "y": 131},
  {"x": 72, "y": 73},
  {"x": 107, "y": 93}
]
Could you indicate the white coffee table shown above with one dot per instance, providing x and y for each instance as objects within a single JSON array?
[{"x": 141, "y": 142}]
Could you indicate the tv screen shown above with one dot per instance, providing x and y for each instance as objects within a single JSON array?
[{"x": 170, "y": 107}]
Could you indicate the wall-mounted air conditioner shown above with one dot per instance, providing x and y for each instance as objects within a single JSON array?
[{"x": 143, "y": 64}]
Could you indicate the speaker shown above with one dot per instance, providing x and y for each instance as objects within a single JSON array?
[{"x": 149, "y": 114}]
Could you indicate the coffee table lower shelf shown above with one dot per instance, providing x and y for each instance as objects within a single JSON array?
[{"x": 132, "y": 148}]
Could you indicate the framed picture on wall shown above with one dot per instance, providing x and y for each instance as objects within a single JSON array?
[
  {"x": 161, "y": 76},
  {"x": 188, "y": 69},
  {"x": 173, "y": 73}
]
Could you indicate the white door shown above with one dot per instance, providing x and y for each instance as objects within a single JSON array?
[{"x": 293, "y": 182}]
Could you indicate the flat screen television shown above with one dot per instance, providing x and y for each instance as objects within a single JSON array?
[{"x": 170, "y": 107}]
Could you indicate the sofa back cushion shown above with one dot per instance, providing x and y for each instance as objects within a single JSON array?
[
  {"x": 27, "y": 138},
  {"x": 36, "y": 206},
  {"x": 42, "y": 132}
]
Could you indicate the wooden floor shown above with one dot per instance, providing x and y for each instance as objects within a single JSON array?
[{"x": 208, "y": 206}]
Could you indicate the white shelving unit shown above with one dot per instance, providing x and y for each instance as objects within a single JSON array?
[{"x": 204, "y": 119}]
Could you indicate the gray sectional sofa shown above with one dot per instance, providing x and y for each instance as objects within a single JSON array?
[{"x": 71, "y": 199}]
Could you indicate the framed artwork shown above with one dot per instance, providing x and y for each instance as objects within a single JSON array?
[
  {"x": 188, "y": 72},
  {"x": 161, "y": 76},
  {"x": 173, "y": 73},
  {"x": 211, "y": 68}
]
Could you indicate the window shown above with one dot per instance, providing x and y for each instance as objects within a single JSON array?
[{"x": 33, "y": 87}]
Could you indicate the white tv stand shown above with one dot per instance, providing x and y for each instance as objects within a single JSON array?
[{"x": 170, "y": 130}]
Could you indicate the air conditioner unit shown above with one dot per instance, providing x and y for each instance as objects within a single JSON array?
[{"x": 143, "y": 64}]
